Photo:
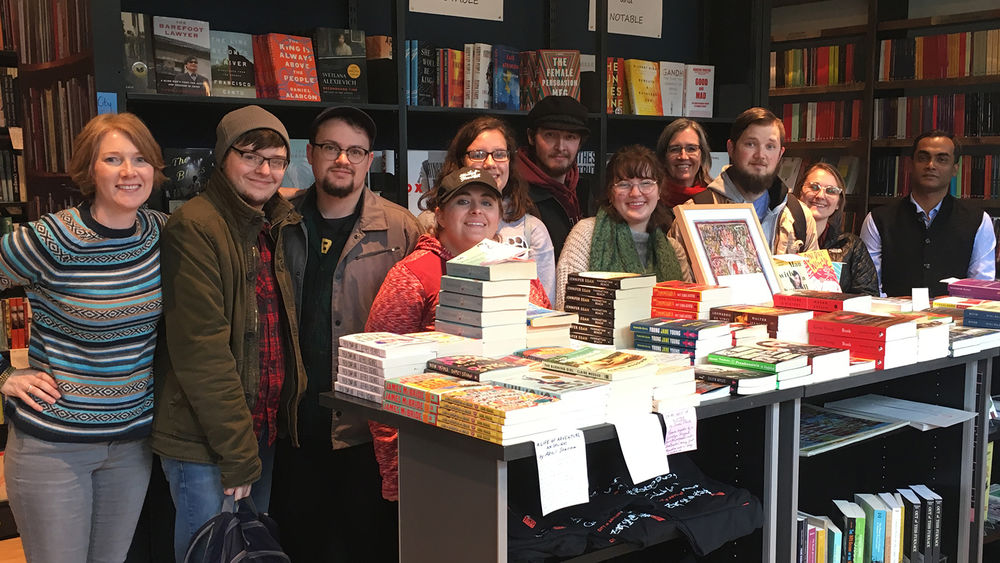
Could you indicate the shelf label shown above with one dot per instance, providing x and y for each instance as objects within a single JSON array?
[
  {"x": 642, "y": 446},
  {"x": 476, "y": 9},
  {"x": 631, "y": 17},
  {"x": 920, "y": 297},
  {"x": 562, "y": 469},
  {"x": 107, "y": 102},
  {"x": 682, "y": 430}
]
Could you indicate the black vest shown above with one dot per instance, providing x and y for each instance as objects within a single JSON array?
[{"x": 916, "y": 256}]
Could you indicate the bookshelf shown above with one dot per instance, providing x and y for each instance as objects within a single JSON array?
[
  {"x": 715, "y": 32},
  {"x": 880, "y": 144},
  {"x": 751, "y": 441}
]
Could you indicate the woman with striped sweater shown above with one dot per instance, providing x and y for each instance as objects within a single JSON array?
[{"x": 78, "y": 460}]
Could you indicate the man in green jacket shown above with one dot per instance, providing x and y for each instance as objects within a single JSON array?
[{"x": 229, "y": 372}]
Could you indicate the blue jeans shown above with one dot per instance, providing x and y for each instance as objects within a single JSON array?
[
  {"x": 76, "y": 502},
  {"x": 197, "y": 492}
]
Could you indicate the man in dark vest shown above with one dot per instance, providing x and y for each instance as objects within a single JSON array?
[
  {"x": 557, "y": 126},
  {"x": 929, "y": 235}
]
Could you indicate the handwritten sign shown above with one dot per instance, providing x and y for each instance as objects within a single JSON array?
[
  {"x": 562, "y": 469},
  {"x": 642, "y": 446},
  {"x": 107, "y": 102},
  {"x": 682, "y": 431},
  {"x": 476, "y": 9},
  {"x": 631, "y": 17}
]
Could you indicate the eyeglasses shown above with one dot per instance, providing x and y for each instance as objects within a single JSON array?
[
  {"x": 645, "y": 186},
  {"x": 332, "y": 151},
  {"x": 815, "y": 187},
  {"x": 675, "y": 150},
  {"x": 499, "y": 155},
  {"x": 256, "y": 160}
]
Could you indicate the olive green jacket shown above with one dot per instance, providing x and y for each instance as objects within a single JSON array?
[{"x": 207, "y": 362}]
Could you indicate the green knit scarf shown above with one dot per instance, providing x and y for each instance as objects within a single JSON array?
[{"x": 612, "y": 249}]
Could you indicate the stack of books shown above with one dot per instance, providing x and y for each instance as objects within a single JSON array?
[
  {"x": 450, "y": 344},
  {"x": 418, "y": 396},
  {"x": 827, "y": 363},
  {"x": 547, "y": 327},
  {"x": 890, "y": 341},
  {"x": 982, "y": 315},
  {"x": 745, "y": 333},
  {"x": 631, "y": 377},
  {"x": 683, "y": 300},
  {"x": 485, "y": 296},
  {"x": 782, "y": 323},
  {"x": 963, "y": 340},
  {"x": 606, "y": 303},
  {"x": 975, "y": 289},
  {"x": 694, "y": 338},
  {"x": 737, "y": 381},
  {"x": 789, "y": 368},
  {"x": 957, "y": 302},
  {"x": 475, "y": 368},
  {"x": 498, "y": 414},
  {"x": 823, "y": 301},
  {"x": 367, "y": 359},
  {"x": 584, "y": 399}
]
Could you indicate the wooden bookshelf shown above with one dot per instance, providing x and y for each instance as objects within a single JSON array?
[
  {"x": 808, "y": 37},
  {"x": 816, "y": 90},
  {"x": 962, "y": 142},
  {"x": 936, "y": 21},
  {"x": 938, "y": 82},
  {"x": 823, "y": 145}
]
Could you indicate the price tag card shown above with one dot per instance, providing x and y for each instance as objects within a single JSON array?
[
  {"x": 642, "y": 446},
  {"x": 562, "y": 469},
  {"x": 682, "y": 430}
]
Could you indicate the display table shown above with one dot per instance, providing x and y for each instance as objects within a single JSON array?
[{"x": 453, "y": 488}]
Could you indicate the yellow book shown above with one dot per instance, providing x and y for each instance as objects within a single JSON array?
[{"x": 643, "y": 78}]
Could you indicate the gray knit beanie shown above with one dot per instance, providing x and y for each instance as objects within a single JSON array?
[{"x": 237, "y": 122}]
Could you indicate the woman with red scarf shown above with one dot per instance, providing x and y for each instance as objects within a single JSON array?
[{"x": 684, "y": 153}]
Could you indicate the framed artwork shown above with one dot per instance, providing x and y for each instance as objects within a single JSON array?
[{"x": 727, "y": 247}]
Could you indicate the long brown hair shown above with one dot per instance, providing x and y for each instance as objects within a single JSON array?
[
  {"x": 515, "y": 192},
  {"x": 704, "y": 175},
  {"x": 634, "y": 161}
]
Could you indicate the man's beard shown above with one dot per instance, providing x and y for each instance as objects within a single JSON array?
[
  {"x": 554, "y": 172},
  {"x": 335, "y": 191},
  {"x": 751, "y": 183}
]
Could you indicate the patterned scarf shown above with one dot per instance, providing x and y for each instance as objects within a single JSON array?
[
  {"x": 612, "y": 249},
  {"x": 565, "y": 194}
]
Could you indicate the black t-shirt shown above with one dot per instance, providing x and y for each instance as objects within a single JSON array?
[{"x": 327, "y": 238}]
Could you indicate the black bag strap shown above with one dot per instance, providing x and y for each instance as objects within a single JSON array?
[{"x": 703, "y": 197}]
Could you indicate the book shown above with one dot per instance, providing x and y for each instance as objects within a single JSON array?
[
  {"x": 671, "y": 88},
  {"x": 341, "y": 65},
  {"x": 739, "y": 381},
  {"x": 834, "y": 540},
  {"x": 681, "y": 305},
  {"x": 861, "y": 325},
  {"x": 851, "y": 519},
  {"x": 673, "y": 289},
  {"x": 611, "y": 280},
  {"x": 489, "y": 260},
  {"x": 504, "y": 73},
  {"x": 699, "y": 90},
  {"x": 510, "y": 405},
  {"x": 823, "y": 301},
  {"x": 475, "y": 368},
  {"x": 450, "y": 344},
  {"x": 875, "y": 520},
  {"x": 390, "y": 366},
  {"x": 827, "y": 362},
  {"x": 233, "y": 74},
  {"x": 182, "y": 51},
  {"x": 480, "y": 288},
  {"x": 893, "y": 526},
  {"x": 409, "y": 412},
  {"x": 777, "y": 319},
  {"x": 428, "y": 387},
  {"x": 286, "y": 68},
  {"x": 137, "y": 43},
  {"x": 822, "y": 430},
  {"x": 485, "y": 304},
  {"x": 913, "y": 512},
  {"x": 480, "y": 318},
  {"x": 691, "y": 329},
  {"x": 931, "y": 526},
  {"x": 558, "y": 73},
  {"x": 542, "y": 317},
  {"x": 759, "y": 358},
  {"x": 608, "y": 365},
  {"x": 516, "y": 330},
  {"x": 187, "y": 172},
  {"x": 616, "y": 86},
  {"x": 643, "y": 85},
  {"x": 341, "y": 387},
  {"x": 977, "y": 289},
  {"x": 426, "y": 72},
  {"x": 386, "y": 344}
]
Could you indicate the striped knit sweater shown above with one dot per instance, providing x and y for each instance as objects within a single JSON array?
[{"x": 95, "y": 302}]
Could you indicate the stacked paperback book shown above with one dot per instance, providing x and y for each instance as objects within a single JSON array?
[
  {"x": 782, "y": 323},
  {"x": 607, "y": 302},
  {"x": 694, "y": 338},
  {"x": 549, "y": 328},
  {"x": 683, "y": 300},
  {"x": 485, "y": 296},
  {"x": 367, "y": 359},
  {"x": 890, "y": 341}
]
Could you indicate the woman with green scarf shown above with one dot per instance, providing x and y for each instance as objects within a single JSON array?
[{"x": 629, "y": 232}]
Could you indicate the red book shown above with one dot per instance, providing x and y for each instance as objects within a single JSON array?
[
  {"x": 856, "y": 120},
  {"x": 849, "y": 69},
  {"x": 871, "y": 349},
  {"x": 674, "y": 314},
  {"x": 456, "y": 78},
  {"x": 679, "y": 304},
  {"x": 674, "y": 289},
  {"x": 959, "y": 129},
  {"x": 290, "y": 67},
  {"x": 861, "y": 325},
  {"x": 988, "y": 179},
  {"x": 822, "y": 301},
  {"x": 822, "y": 66},
  {"x": 963, "y": 48},
  {"x": 786, "y": 119},
  {"x": 942, "y": 45}
]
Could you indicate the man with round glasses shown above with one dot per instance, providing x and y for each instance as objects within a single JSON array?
[
  {"x": 347, "y": 242},
  {"x": 557, "y": 126},
  {"x": 920, "y": 239}
]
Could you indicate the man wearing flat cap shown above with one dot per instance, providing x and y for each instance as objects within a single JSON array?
[
  {"x": 348, "y": 240},
  {"x": 557, "y": 126},
  {"x": 228, "y": 367}
]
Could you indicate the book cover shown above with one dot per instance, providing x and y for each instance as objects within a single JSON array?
[
  {"x": 861, "y": 325},
  {"x": 386, "y": 344},
  {"x": 480, "y": 288},
  {"x": 233, "y": 74},
  {"x": 138, "y": 52},
  {"x": 616, "y": 86},
  {"x": 559, "y": 385},
  {"x": 608, "y": 365},
  {"x": 740, "y": 381},
  {"x": 428, "y": 387},
  {"x": 474, "y": 368},
  {"x": 699, "y": 90},
  {"x": 341, "y": 65},
  {"x": 822, "y": 430},
  {"x": 692, "y": 291},
  {"x": 290, "y": 68},
  {"x": 759, "y": 358},
  {"x": 187, "y": 171},
  {"x": 672, "y": 88},
  {"x": 511, "y": 405},
  {"x": 913, "y": 513},
  {"x": 874, "y": 526},
  {"x": 852, "y": 520},
  {"x": 643, "y": 80},
  {"x": 504, "y": 73},
  {"x": 693, "y": 329},
  {"x": 776, "y": 318},
  {"x": 409, "y": 412},
  {"x": 611, "y": 280},
  {"x": 479, "y": 318},
  {"x": 456, "y": 78},
  {"x": 493, "y": 261},
  {"x": 182, "y": 51},
  {"x": 977, "y": 289},
  {"x": 559, "y": 73},
  {"x": 823, "y": 301}
]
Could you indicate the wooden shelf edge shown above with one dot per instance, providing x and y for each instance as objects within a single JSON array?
[
  {"x": 962, "y": 141},
  {"x": 133, "y": 97},
  {"x": 815, "y": 90},
  {"x": 937, "y": 82},
  {"x": 58, "y": 63},
  {"x": 935, "y": 21},
  {"x": 815, "y": 145},
  {"x": 829, "y": 33}
]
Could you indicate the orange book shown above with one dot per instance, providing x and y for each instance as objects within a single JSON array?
[
  {"x": 953, "y": 55},
  {"x": 292, "y": 67},
  {"x": 456, "y": 78}
]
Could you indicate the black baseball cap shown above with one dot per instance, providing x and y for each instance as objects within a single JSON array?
[
  {"x": 454, "y": 182},
  {"x": 559, "y": 112},
  {"x": 351, "y": 114}
]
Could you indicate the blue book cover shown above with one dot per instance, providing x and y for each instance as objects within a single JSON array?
[
  {"x": 874, "y": 526},
  {"x": 505, "y": 71}
]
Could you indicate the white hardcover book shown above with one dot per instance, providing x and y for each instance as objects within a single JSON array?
[
  {"x": 672, "y": 88},
  {"x": 699, "y": 90}
]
